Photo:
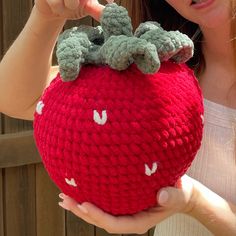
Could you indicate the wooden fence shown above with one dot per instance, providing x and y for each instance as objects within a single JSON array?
[{"x": 28, "y": 198}]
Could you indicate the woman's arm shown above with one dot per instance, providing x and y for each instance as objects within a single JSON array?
[
  {"x": 191, "y": 198},
  {"x": 26, "y": 67},
  {"x": 214, "y": 212}
]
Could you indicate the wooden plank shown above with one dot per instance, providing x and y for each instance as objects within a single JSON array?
[
  {"x": 146, "y": 234},
  {"x": 1, "y": 178},
  {"x": 1, "y": 123},
  {"x": 19, "y": 183},
  {"x": 18, "y": 149},
  {"x": 1, "y": 187},
  {"x": 77, "y": 227},
  {"x": 20, "y": 201},
  {"x": 50, "y": 217},
  {"x": 134, "y": 11},
  {"x": 1, "y": 131},
  {"x": 101, "y": 232},
  {"x": 151, "y": 232},
  {"x": 15, "y": 14},
  {"x": 12, "y": 125},
  {"x": 1, "y": 204}
]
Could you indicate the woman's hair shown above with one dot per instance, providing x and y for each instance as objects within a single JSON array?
[{"x": 170, "y": 19}]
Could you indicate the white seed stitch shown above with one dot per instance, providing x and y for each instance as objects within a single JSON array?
[
  {"x": 39, "y": 107},
  {"x": 98, "y": 119},
  {"x": 202, "y": 117},
  {"x": 149, "y": 171},
  {"x": 71, "y": 182}
]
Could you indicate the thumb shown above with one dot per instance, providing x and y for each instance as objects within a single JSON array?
[
  {"x": 177, "y": 198},
  {"x": 169, "y": 197}
]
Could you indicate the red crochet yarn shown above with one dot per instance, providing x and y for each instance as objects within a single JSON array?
[{"x": 114, "y": 138}]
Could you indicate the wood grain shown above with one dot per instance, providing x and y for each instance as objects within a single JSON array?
[
  {"x": 146, "y": 234},
  {"x": 1, "y": 131},
  {"x": 77, "y": 227},
  {"x": 14, "y": 15},
  {"x": 151, "y": 232},
  {"x": 18, "y": 149},
  {"x": 1, "y": 203},
  {"x": 1, "y": 183},
  {"x": 101, "y": 232},
  {"x": 50, "y": 217},
  {"x": 20, "y": 217},
  {"x": 19, "y": 182}
]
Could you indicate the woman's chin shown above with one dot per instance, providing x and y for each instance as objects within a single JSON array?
[{"x": 217, "y": 18}]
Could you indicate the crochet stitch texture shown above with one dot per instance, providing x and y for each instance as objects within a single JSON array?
[
  {"x": 114, "y": 44},
  {"x": 114, "y": 137}
]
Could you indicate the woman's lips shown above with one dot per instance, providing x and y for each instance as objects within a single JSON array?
[{"x": 202, "y": 4}]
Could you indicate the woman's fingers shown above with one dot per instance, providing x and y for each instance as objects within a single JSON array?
[
  {"x": 75, "y": 9},
  {"x": 71, "y": 4},
  {"x": 177, "y": 198},
  {"x": 87, "y": 212},
  {"x": 56, "y": 6},
  {"x": 77, "y": 209},
  {"x": 138, "y": 223}
]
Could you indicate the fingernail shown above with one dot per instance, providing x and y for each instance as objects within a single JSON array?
[
  {"x": 63, "y": 205},
  {"x": 82, "y": 208},
  {"x": 62, "y": 195},
  {"x": 163, "y": 197}
]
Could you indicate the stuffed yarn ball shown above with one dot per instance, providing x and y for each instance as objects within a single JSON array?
[{"x": 114, "y": 138}]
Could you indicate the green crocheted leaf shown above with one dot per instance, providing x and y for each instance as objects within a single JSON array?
[
  {"x": 71, "y": 52},
  {"x": 120, "y": 51},
  {"x": 114, "y": 44}
]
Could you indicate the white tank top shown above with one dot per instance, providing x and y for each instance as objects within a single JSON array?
[{"x": 214, "y": 166}]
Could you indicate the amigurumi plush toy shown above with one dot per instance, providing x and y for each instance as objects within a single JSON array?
[{"x": 129, "y": 119}]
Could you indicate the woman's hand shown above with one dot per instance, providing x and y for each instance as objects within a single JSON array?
[
  {"x": 68, "y": 9},
  {"x": 171, "y": 200}
]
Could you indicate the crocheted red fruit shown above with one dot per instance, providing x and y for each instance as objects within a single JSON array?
[{"x": 114, "y": 138}]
